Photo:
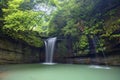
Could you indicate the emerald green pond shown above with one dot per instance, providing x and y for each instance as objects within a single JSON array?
[{"x": 57, "y": 72}]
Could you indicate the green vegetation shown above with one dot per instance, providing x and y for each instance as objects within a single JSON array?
[{"x": 74, "y": 20}]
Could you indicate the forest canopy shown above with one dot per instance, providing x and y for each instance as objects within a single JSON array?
[{"x": 79, "y": 21}]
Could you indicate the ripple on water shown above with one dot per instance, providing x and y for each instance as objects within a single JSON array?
[{"x": 99, "y": 67}]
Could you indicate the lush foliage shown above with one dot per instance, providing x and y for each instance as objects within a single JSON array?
[
  {"x": 22, "y": 16},
  {"x": 73, "y": 20}
]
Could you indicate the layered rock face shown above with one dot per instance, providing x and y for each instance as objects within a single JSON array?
[{"x": 12, "y": 51}]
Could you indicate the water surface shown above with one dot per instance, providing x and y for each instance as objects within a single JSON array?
[{"x": 57, "y": 72}]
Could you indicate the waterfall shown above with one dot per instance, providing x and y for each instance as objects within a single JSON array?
[
  {"x": 49, "y": 48},
  {"x": 94, "y": 41}
]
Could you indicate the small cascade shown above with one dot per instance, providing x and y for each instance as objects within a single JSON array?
[
  {"x": 49, "y": 48},
  {"x": 96, "y": 40},
  {"x": 105, "y": 59}
]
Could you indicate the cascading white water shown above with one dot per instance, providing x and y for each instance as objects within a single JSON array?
[{"x": 49, "y": 48}]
